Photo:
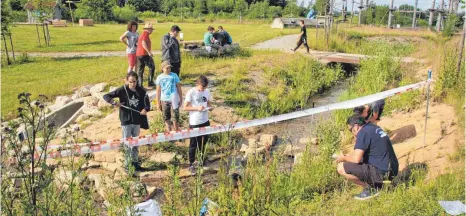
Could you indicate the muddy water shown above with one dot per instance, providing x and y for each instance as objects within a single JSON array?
[{"x": 304, "y": 127}]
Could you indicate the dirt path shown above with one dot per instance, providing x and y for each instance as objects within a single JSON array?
[{"x": 79, "y": 54}]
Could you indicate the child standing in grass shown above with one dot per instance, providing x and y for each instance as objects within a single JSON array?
[
  {"x": 198, "y": 101},
  {"x": 130, "y": 39},
  {"x": 169, "y": 96}
]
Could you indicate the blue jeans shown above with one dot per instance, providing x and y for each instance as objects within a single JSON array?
[{"x": 131, "y": 152}]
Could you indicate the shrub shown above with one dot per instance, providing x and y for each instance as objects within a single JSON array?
[
  {"x": 19, "y": 16},
  {"x": 124, "y": 14},
  {"x": 147, "y": 14}
]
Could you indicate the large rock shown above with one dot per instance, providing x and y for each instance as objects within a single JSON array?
[
  {"x": 102, "y": 103},
  {"x": 162, "y": 157},
  {"x": 64, "y": 177},
  {"x": 112, "y": 156},
  {"x": 83, "y": 92},
  {"x": 60, "y": 101},
  {"x": 291, "y": 150},
  {"x": 113, "y": 167},
  {"x": 309, "y": 140},
  {"x": 82, "y": 117},
  {"x": 98, "y": 88},
  {"x": 105, "y": 185},
  {"x": 91, "y": 102},
  {"x": 92, "y": 111}
]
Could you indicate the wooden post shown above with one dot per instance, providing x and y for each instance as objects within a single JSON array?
[
  {"x": 390, "y": 14},
  {"x": 460, "y": 56},
  {"x": 440, "y": 16},
  {"x": 317, "y": 32},
  {"x": 38, "y": 35},
  {"x": 12, "y": 49},
  {"x": 6, "y": 50},
  {"x": 414, "y": 15},
  {"x": 360, "y": 12},
  {"x": 431, "y": 15},
  {"x": 352, "y": 13},
  {"x": 48, "y": 34},
  {"x": 71, "y": 12}
]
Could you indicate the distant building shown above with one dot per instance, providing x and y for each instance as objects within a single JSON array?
[
  {"x": 294, "y": 22},
  {"x": 33, "y": 12}
]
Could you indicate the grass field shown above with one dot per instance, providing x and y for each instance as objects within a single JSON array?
[{"x": 105, "y": 37}]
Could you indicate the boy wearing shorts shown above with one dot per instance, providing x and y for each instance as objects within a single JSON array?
[{"x": 169, "y": 96}]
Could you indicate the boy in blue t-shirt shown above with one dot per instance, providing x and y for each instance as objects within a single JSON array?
[{"x": 169, "y": 96}]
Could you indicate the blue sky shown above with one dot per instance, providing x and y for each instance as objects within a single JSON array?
[{"x": 423, "y": 4}]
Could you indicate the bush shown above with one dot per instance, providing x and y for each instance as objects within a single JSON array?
[
  {"x": 124, "y": 14},
  {"x": 19, "y": 16},
  {"x": 147, "y": 14}
]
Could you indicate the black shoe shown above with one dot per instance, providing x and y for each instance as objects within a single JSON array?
[{"x": 138, "y": 167}]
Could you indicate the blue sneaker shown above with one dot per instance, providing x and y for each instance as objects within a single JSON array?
[{"x": 367, "y": 193}]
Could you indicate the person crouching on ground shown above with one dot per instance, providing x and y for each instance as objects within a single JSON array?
[
  {"x": 198, "y": 102},
  {"x": 130, "y": 39},
  {"x": 371, "y": 112},
  {"x": 169, "y": 96},
  {"x": 133, "y": 104},
  {"x": 373, "y": 159}
]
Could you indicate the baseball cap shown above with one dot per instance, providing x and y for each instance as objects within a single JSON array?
[{"x": 165, "y": 64}]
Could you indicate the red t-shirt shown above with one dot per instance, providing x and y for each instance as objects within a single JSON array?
[{"x": 140, "y": 51}]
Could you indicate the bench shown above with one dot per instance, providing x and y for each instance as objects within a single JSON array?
[
  {"x": 59, "y": 23},
  {"x": 86, "y": 22}
]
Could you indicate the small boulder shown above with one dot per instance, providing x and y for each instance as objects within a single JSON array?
[
  {"x": 60, "y": 101},
  {"x": 309, "y": 140},
  {"x": 102, "y": 103},
  {"x": 91, "y": 102},
  {"x": 107, "y": 156},
  {"x": 82, "y": 117},
  {"x": 162, "y": 157},
  {"x": 291, "y": 150},
  {"x": 92, "y": 111},
  {"x": 98, "y": 88},
  {"x": 268, "y": 139},
  {"x": 90, "y": 165},
  {"x": 244, "y": 148},
  {"x": 297, "y": 158},
  {"x": 83, "y": 92}
]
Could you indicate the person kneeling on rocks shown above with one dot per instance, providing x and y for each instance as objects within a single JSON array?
[
  {"x": 373, "y": 159},
  {"x": 133, "y": 104}
]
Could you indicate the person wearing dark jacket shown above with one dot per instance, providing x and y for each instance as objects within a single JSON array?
[
  {"x": 171, "y": 49},
  {"x": 133, "y": 104}
]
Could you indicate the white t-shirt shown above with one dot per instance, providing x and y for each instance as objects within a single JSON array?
[{"x": 198, "y": 98}]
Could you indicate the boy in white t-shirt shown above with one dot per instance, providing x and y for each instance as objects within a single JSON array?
[
  {"x": 198, "y": 102},
  {"x": 168, "y": 96}
]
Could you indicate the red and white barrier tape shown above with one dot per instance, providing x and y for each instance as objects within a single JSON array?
[{"x": 85, "y": 148}]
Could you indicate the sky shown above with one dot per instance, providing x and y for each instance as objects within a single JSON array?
[{"x": 422, "y": 4}]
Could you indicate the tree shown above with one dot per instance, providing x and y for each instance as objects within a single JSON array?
[
  {"x": 98, "y": 10},
  {"x": 291, "y": 9},
  {"x": 145, "y": 5},
  {"x": 17, "y": 5},
  {"x": 166, "y": 6},
  {"x": 6, "y": 23},
  {"x": 200, "y": 7},
  {"x": 240, "y": 9},
  {"x": 321, "y": 7}
]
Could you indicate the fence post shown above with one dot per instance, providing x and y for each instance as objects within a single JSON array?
[{"x": 429, "y": 78}]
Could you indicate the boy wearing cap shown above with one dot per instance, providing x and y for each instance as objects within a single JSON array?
[
  {"x": 169, "y": 96},
  {"x": 171, "y": 49},
  {"x": 144, "y": 55}
]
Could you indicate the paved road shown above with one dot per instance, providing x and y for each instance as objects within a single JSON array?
[{"x": 286, "y": 43}]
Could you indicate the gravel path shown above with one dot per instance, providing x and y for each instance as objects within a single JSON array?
[{"x": 79, "y": 54}]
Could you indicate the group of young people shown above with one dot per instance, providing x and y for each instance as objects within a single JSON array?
[
  {"x": 133, "y": 100},
  {"x": 216, "y": 39},
  {"x": 372, "y": 161}
]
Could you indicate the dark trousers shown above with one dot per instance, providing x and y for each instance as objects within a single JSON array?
[
  {"x": 302, "y": 41},
  {"x": 176, "y": 68},
  {"x": 197, "y": 143},
  {"x": 142, "y": 62}
]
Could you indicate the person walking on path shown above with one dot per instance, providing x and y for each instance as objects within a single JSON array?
[
  {"x": 169, "y": 96},
  {"x": 373, "y": 159},
  {"x": 302, "y": 38},
  {"x": 171, "y": 49},
  {"x": 198, "y": 102},
  {"x": 133, "y": 105},
  {"x": 144, "y": 55},
  {"x": 130, "y": 39}
]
